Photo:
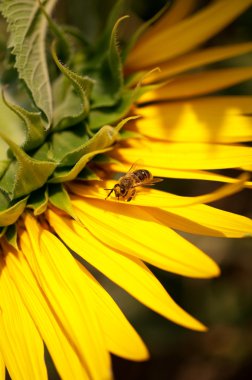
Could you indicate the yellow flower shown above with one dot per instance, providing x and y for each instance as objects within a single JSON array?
[{"x": 47, "y": 294}]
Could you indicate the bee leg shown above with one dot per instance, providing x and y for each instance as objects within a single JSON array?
[{"x": 133, "y": 192}]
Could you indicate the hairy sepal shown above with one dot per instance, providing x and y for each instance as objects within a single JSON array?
[
  {"x": 71, "y": 93},
  {"x": 24, "y": 174}
]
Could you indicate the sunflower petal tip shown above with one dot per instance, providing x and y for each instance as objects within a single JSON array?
[
  {"x": 216, "y": 272},
  {"x": 203, "y": 328},
  {"x": 145, "y": 355},
  {"x": 212, "y": 270}
]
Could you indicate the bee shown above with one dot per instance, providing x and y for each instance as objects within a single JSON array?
[{"x": 126, "y": 186}]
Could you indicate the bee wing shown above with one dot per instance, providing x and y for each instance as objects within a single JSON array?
[
  {"x": 153, "y": 181},
  {"x": 135, "y": 166}
]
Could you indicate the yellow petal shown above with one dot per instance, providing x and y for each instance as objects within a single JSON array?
[
  {"x": 20, "y": 343},
  {"x": 187, "y": 156},
  {"x": 134, "y": 231},
  {"x": 211, "y": 119},
  {"x": 185, "y": 36},
  {"x": 177, "y": 11},
  {"x": 58, "y": 277},
  {"x": 206, "y": 220},
  {"x": 197, "y": 219},
  {"x": 63, "y": 353},
  {"x": 2, "y": 368},
  {"x": 153, "y": 198},
  {"x": 196, "y": 59},
  {"x": 165, "y": 172},
  {"x": 198, "y": 84},
  {"x": 121, "y": 338},
  {"x": 126, "y": 271}
]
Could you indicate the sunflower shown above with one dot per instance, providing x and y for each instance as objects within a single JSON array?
[{"x": 64, "y": 140}]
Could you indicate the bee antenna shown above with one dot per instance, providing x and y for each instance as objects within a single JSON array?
[{"x": 111, "y": 190}]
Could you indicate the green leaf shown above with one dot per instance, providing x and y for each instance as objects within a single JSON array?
[
  {"x": 59, "y": 198},
  {"x": 10, "y": 125},
  {"x": 70, "y": 107},
  {"x": 29, "y": 174},
  {"x": 28, "y": 27},
  {"x": 11, "y": 235},
  {"x": 10, "y": 215},
  {"x": 38, "y": 201},
  {"x": 34, "y": 124}
]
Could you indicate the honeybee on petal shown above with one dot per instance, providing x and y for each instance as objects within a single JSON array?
[{"x": 127, "y": 184}]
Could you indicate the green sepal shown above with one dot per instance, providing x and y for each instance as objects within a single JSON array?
[
  {"x": 70, "y": 107},
  {"x": 125, "y": 135},
  {"x": 105, "y": 159},
  {"x": 34, "y": 124},
  {"x": 122, "y": 123},
  {"x": 4, "y": 199},
  {"x": 3, "y": 167},
  {"x": 11, "y": 235},
  {"x": 108, "y": 73},
  {"x": 8, "y": 180},
  {"x": 140, "y": 89},
  {"x": 11, "y": 214},
  {"x": 111, "y": 115},
  {"x": 2, "y": 231},
  {"x": 137, "y": 79},
  {"x": 64, "y": 174},
  {"x": 44, "y": 153},
  {"x": 102, "y": 116},
  {"x": 115, "y": 14},
  {"x": 66, "y": 144},
  {"x": 134, "y": 78},
  {"x": 102, "y": 139},
  {"x": 58, "y": 196},
  {"x": 114, "y": 59},
  {"x": 38, "y": 201},
  {"x": 88, "y": 175},
  {"x": 135, "y": 37},
  {"x": 30, "y": 174}
]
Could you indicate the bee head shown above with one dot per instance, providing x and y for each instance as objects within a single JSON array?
[{"x": 117, "y": 190}]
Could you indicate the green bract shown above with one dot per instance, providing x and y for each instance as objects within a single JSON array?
[{"x": 71, "y": 107}]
